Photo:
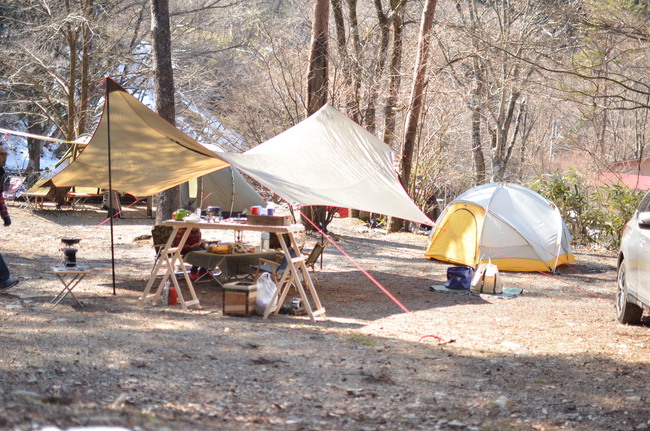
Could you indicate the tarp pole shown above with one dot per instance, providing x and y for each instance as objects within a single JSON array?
[
  {"x": 110, "y": 182},
  {"x": 232, "y": 182},
  {"x": 559, "y": 237}
]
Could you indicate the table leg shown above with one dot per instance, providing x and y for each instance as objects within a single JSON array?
[
  {"x": 291, "y": 278},
  {"x": 162, "y": 259}
]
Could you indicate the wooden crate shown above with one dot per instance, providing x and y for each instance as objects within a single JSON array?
[
  {"x": 239, "y": 298},
  {"x": 264, "y": 220}
]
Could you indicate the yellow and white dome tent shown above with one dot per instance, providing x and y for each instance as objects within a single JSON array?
[{"x": 508, "y": 224}]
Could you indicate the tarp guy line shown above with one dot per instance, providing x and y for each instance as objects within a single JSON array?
[
  {"x": 42, "y": 138},
  {"x": 351, "y": 259}
]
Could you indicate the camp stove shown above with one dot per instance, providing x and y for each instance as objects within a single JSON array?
[{"x": 69, "y": 252}]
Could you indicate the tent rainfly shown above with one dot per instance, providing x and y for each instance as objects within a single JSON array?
[
  {"x": 225, "y": 188},
  {"x": 512, "y": 226}
]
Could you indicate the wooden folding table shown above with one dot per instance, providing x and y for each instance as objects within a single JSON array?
[{"x": 171, "y": 256}]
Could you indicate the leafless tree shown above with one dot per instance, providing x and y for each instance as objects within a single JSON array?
[
  {"x": 416, "y": 100},
  {"x": 168, "y": 200},
  {"x": 54, "y": 56},
  {"x": 317, "y": 76},
  {"x": 317, "y": 86}
]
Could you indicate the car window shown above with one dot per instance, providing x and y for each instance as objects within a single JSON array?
[{"x": 645, "y": 204}]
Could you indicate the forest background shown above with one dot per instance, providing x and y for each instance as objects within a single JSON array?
[{"x": 545, "y": 93}]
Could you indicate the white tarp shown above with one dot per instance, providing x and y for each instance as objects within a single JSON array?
[{"x": 330, "y": 160}]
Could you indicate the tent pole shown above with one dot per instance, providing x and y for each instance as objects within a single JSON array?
[{"x": 110, "y": 182}]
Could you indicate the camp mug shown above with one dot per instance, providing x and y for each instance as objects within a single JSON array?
[{"x": 255, "y": 210}]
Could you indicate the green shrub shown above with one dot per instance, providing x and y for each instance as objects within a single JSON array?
[
  {"x": 617, "y": 203},
  {"x": 593, "y": 214}
]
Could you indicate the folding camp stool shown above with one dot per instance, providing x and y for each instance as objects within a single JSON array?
[{"x": 70, "y": 277}]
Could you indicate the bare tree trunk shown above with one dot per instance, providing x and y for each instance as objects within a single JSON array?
[
  {"x": 318, "y": 59},
  {"x": 350, "y": 62},
  {"x": 415, "y": 103},
  {"x": 59, "y": 194},
  {"x": 71, "y": 36},
  {"x": 86, "y": 41},
  {"x": 168, "y": 200},
  {"x": 354, "y": 108},
  {"x": 380, "y": 65},
  {"x": 477, "y": 90},
  {"x": 317, "y": 83},
  {"x": 34, "y": 146},
  {"x": 394, "y": 72},
  {"x": 477, "y": 144}
]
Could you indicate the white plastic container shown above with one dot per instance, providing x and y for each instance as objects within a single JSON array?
[{"x": 266, "y": 237}]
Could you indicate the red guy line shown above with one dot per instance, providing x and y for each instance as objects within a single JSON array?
[{"x": 351, "y": 259}]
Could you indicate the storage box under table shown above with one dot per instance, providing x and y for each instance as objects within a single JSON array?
[{"x": 239, "y": 298}]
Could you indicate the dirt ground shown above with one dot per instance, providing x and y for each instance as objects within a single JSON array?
[{"x": 552, "y": 358}]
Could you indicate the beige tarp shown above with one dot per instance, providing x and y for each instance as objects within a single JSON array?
[
  {"x": 330, "y": 160},
  {"x": 147, "y": 154}
]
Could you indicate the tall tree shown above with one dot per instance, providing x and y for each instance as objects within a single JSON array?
[
  {"x": 168, "y": 200},
  {"x": 351, "y": 73},
  {"x": 612, "y": 90},
  {"x": 54, "y": 54},
  {"x": 317, "y": 79},
  {"x": 395, "y": 69},
  {"x": 416, "y": 100},
  {"x": 317, "y": 86}
]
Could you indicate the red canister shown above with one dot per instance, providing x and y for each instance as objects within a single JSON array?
[{"x": 173, "y": 296}]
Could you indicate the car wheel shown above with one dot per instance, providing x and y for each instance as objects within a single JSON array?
[{"x": 626, "y": 312}]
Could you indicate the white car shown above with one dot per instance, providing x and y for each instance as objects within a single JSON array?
[{"x": 633, "y": 293}]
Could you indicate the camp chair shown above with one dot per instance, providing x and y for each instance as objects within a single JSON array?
[
  {"x": 313, "y": 256},
  {"x": 37, "y": 195},
  {"x": 14, "y": 190},
  {"x": 275, "y": 268}
]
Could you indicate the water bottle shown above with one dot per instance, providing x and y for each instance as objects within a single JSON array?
[
  {"x": 266, "y": 237},
  {"x": 165, "y": 293}
]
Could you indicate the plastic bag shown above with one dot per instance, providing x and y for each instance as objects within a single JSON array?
[{"x": 266, "y": 289}]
